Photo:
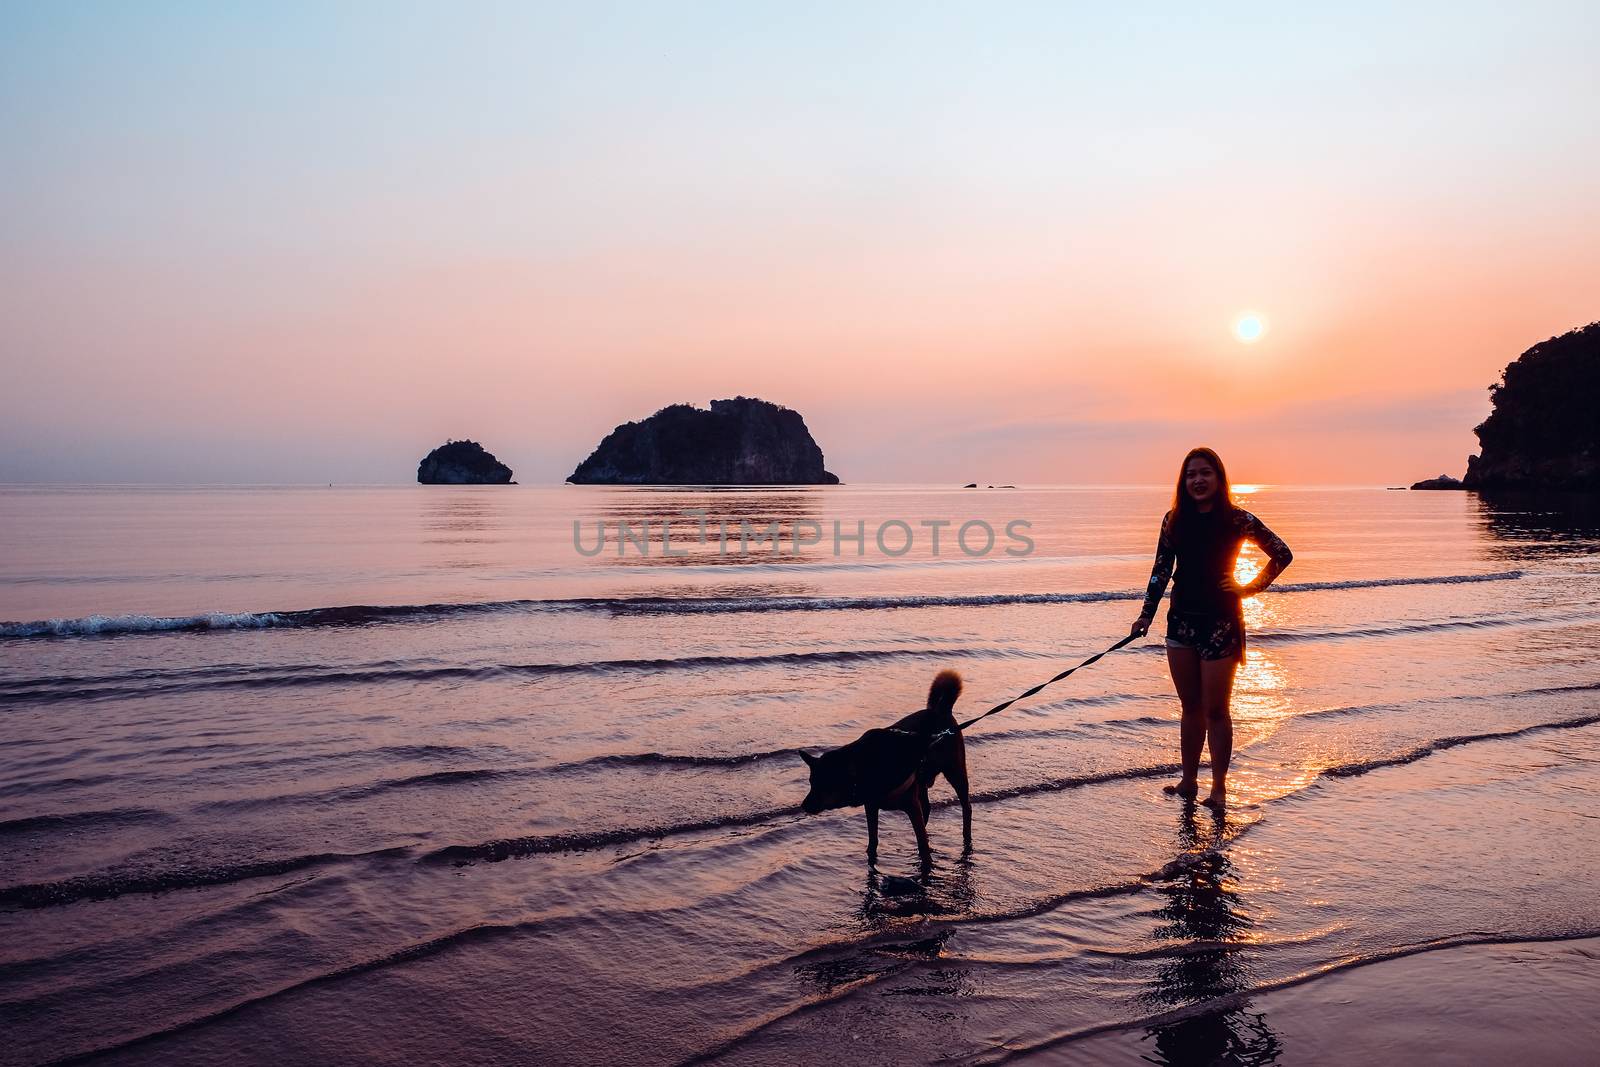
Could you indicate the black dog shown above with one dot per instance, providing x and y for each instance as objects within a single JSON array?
[{"x": 892, "y": 767}]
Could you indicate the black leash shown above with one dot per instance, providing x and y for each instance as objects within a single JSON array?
[
  {"x": 934, "y": 741},
  {"x": 1041, "y": 685}
]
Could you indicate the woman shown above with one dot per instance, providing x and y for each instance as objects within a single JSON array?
[{"x": 1205, "y": 623}]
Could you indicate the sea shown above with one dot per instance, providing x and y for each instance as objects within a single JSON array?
[{"x": 510, "y": 774}]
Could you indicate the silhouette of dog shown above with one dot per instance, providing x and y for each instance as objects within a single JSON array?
[{"x": 892, "y": 767}]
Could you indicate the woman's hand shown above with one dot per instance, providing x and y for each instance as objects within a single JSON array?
[
  {"x": 1233, "y": 588},
  {"x": 1141, "y": 626}
]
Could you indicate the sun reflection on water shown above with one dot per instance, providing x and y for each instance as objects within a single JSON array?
[
  {"x": 1247, "y": 565},
  {"x": 1262, "y": 703}
]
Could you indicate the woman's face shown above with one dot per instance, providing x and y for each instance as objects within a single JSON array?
[{"x": 1200, "y": 478}]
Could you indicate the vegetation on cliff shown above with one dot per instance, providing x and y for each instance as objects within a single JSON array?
[{"x": 1544, "y": 431}]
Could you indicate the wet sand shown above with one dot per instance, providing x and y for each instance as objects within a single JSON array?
[{"x": 1522, "y": 1002}]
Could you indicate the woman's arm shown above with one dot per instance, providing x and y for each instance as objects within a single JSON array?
[
  {"x": 1161, "y": 573},
  {"x": 1278, "y": 554}
]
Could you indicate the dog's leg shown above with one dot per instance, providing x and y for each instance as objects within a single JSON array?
[
  {"x": 917, "y": 810},
  {"x": 957, "y": 777},
  {"x": 872, "y": 834}
]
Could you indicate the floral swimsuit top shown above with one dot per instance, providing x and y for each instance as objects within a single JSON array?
[{"x": 1204, "y": 549}]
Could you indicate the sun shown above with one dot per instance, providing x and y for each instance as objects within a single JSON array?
[{"x": 1249, "y": 327}]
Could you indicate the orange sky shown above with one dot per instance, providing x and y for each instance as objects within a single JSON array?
[{"x": 964, "y": 251}]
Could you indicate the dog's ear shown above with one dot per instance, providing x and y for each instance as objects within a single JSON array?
[{"x": 811, "y": 761}]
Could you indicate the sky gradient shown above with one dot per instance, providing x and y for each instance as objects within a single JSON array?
[{"x": 1002, "y": 243}]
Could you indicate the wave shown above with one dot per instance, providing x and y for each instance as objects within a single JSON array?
[
  {"x": 460, "y": 776},
  {"x": 1406, "y": 629},
  {"x": 1352, "y": 710},
  {"x": 1075, "y": 781},
  {"x": 92, "y": 625},
  {"x": 1379, "y": 583},
  {"x": 584, "y": 841},
  {"x": 75, "y": 821},
  {"x": 1352, "y": 770},
  {"x": 761, "y": 604},
  {"x": 720, "y": 605},
  {"x": 105, "y": 885},
  {"x": 744, "y": 759},
  {"x": 46, "y": 691},
  {"x": 670, "y": 759},
  {"x": 368, "y": 614}
]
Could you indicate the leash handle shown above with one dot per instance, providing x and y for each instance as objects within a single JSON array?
[{"x": 1041, "y": 685}]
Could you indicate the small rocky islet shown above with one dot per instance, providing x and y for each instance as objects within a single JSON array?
[{"x": 462, "y": 463}]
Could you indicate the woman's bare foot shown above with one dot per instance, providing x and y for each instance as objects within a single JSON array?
[
  {"x": 1187, "y": 788},
  {"x": 1218, "y": 798}
]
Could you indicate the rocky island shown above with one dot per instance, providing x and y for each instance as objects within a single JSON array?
[
  {"x": 742, "y": 441},
  {"x": 462, "y": 463},
  {"x": 1444, "y": 481},
  {"x": 1543, "y": 432}
]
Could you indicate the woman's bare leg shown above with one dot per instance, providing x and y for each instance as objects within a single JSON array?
[
  {"x": 1184, "y": 663},
  {"x": 1216, "y": 694}
]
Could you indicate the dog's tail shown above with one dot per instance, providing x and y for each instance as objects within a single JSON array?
[{"x": 942, "y": 694}]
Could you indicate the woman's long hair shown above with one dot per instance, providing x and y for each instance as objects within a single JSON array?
[{"x": 1183, "y": 504}]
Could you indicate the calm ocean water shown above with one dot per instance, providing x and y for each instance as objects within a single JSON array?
[{"x": 368, "y": 775}]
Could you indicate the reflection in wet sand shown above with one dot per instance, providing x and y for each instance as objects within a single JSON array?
[
  {"x": 1206, "y": 923},
  {"x": 1261, "y": 702},
  {"x": 939, "y": 892},
  {"x": 886, "y": 902}
]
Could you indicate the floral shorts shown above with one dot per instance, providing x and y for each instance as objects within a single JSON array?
[{"x": 1213, "y": 636}]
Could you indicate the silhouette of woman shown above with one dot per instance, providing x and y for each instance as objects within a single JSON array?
[{"x": 1202, "y": 534}]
